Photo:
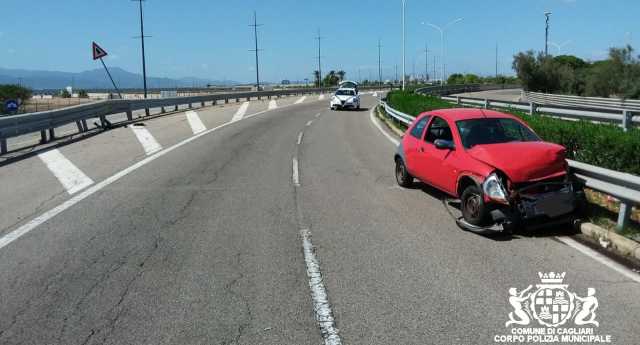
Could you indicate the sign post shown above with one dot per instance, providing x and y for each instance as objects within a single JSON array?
[{"x": 98, "y": 54}]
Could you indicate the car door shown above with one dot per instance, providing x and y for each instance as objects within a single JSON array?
[
  {"x": 436, "y": 166},
  {"x": 412, "y": 141}
]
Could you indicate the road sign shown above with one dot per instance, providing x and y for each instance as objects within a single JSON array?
[
  {"x": 98, "y": 52},
  {"x": 11, "y": 106}
]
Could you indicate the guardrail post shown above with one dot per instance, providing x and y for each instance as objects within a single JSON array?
[
  {"x": 226, "y": 101},
  {"x": 190, "y": 105},
  {"x": 237, "y": 100},
  {"x": 84, "y": 125},
  {"x": 532, "y": 108},
  {"x": 458, "y": 100},
  {"x": 43, "y": 136},
  {"x": 52, "y": 134},
  {"x": 129, "y": 115},
  {"x": 175, "y": 108},
  {"x": 486, "y": 103},
  {"x": 623, "y": 215},
  {"x": 162, "y": 110},
  {"x": 3, "y": 146},
  {"x": 202, "y": 104},
  {"x": 80, "y": 129},
  {"x": 626, "y": 120}
]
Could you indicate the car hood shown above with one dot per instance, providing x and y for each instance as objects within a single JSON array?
[
  {"x": 523, "y": 161},
  {"x": 344, "y": 98}
]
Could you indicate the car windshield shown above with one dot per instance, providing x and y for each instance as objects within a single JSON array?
[
  {"x": 345, "y": 93},
  {"x": 493, "y": 131}
]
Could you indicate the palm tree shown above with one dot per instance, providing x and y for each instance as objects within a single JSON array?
[
  {"x": 316, "y": 75},
  {"x": 341, "y": 75}
]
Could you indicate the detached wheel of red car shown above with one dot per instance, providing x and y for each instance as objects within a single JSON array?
[
  {"x": 474, "y": 210},
  {"x": 403, "y": 177}
]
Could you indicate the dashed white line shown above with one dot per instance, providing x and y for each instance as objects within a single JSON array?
[
  {"x": 321, "y": 97},
  {"x": 71, "y": 178},
  {"x": 301, "y": 99},
  {"x": 147, "y": 140},
  {"x": 300, "y": 137},
  {"x": 241, "y": 111},
  {"x": 194, "y": 121},
  {"x": 321, "y": 305},
  {"x": 295, "y": 176},
  {"x": 309, "y": 123},
  {"x": 566, "y": 240},
  {"x": 273, "y": 104},
  {"x": 318, "y": 115}
]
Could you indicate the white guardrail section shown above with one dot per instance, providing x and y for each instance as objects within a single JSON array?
[
  {"x": 625, "y": 187},
  {"x": 17, "y": 125},
  {"x": 625, "y": 117}
]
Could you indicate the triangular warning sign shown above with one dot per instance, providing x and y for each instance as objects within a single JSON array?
[{"x": 98, "y": 52}]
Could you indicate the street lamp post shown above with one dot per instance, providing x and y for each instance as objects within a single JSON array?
[
  {"x": 403, "y": 45},
  {"x": 546, "y": 33},
  {"x": 442, "y": 30}
]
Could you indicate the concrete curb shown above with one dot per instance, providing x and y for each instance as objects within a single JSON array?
[
  {"x": 398, "y": 132},
  {"x": 619, "y": 243}
]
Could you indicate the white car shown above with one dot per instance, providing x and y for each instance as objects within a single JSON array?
[{"x": 345, "y": 99}]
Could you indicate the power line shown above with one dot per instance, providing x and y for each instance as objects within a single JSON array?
[{"x": 255, "y": 35}]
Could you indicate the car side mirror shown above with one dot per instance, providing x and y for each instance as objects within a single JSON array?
[{"x": 442, "y": 144}]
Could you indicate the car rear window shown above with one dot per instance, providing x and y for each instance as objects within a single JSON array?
[{"x": 493, "y": 131}]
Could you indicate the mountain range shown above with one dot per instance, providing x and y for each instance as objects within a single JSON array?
[{"x": 97, "y": 79}]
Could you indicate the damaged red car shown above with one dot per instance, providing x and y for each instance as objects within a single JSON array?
[{"x": 502, "y": 173}]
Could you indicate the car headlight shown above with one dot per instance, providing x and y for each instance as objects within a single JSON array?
[{"x": 493, "y": 188}]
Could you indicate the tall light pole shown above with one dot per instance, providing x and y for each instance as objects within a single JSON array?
[
  {"x": 403, "y": 45},
  {"x": 546, "y": 33},
  {"x": 442, "y": 30},
  {"x": 255, "y": 35},
  {"x": 379, "y": 62},
  {"x": 496, "y": 62},
  {"x": 144, "y": 63},
  {"x": 319, "y": 38},
  {"x": 426, "y": 62}
]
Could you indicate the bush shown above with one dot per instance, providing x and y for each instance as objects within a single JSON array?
[
  {"x": 83, "y": 94},
  {"x": 603, "y": 145},
  {"x": 14, "y": 92},
  {"x": 65, "y": 94}
]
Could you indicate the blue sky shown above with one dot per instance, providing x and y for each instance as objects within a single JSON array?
[{"x": 211, "y": 38}]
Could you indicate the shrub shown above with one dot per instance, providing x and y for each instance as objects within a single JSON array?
[
  {"x": 414, "y": 104},
  {"x": 14, "y": 92}
]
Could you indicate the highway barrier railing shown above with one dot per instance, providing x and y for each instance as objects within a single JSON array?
[
  {"x": 443, "y": 90},
  {"x": 623, "y": 186},
  {"x": 47, "y": 121},
  {"x": 579, "y": 101}
]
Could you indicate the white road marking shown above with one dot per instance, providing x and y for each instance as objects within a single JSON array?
[
  {"x": 309, "y": 123},
  {"x": 194, "y": 121},
  {"x": 71, "y": 178},
  {"x": 566, "y": 240},
  {"x": 46, "y": 216},
  {"x": 300, "y": 137},
  {"x": 301, "y": 99},
  {"x": 318, "y": 115},
  {"x": 600, "y": 258},
  {"x": 273, "y": 104},
  {"x": 321, "y": 97},
  {"x": 241, "y": 111},
  {"x": 375, "y": 94},
  {"x": 147, "y": 140},
  {"x": 295, "y": 176},
  {"x": 321, "y": 305}
]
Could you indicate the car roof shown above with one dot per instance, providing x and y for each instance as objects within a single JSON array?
[{"x": 457, "y": 114}]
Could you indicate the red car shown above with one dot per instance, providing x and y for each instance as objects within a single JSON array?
[{"x": 501, "y": 171}]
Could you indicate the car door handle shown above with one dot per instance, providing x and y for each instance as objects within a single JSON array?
[{"x": 421, "y": 149}]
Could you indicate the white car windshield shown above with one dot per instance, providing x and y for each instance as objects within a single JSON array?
[{"x": 345, "y": 93}]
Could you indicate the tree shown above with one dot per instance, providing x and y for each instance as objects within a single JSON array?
[
  {"x": 65, "y": 94},
  {"x": 341, "y": 74},
  {"x": 316, "y": 76},
  {"x": 83, "y": 94},
  {"x": 455, "y": 78},
  {"x": 12, "y": 91}
]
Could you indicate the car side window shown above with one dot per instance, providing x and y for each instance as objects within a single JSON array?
[
  {"x": 439, "y": 129},
  {"x": 418, "y": 129}
]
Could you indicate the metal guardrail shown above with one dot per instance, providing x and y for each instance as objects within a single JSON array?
[
  {"x": 578, "y": 101},
  {"x": 624, "y": 186},
  {"x": 443, "y": 90},
  {"x": 623, "y": 117},
  {"x": 16, "y": 125}
]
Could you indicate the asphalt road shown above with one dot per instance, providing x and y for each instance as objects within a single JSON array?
[{"x": 201, "y": 243}]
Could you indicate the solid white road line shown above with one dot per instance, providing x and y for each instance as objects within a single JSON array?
[
  {"x": 375, "y": 94},
  {"x": 295, "y": 176},
  {"x": 309, "y": 123},
  {"x": 321, "y": 305},
  {"x": 147, "y": 140},
  {"x": 241, "y": 111},
  {"x": 600, "y": 258},
  {"x": 300, "y": 137},
  {"x": 566, "y": 240},
  {"x": 301, "y": 99},
  {"x": 321, "y": 97},
  {"x": 71, "y": 178},
  {"x": 194, "y": 121},
  {"x": 273, "y": 104}
]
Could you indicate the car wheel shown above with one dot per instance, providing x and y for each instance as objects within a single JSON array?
[
  {"x": 473, "y": 207},
  {"x": 403, "y": 177}
]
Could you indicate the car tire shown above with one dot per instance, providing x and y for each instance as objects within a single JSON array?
[
  {"x": 403, "y": 177},
  {"x": 473, "y": 208}
]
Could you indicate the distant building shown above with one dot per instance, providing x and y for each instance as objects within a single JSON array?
[{"x": 286, "y": 82}]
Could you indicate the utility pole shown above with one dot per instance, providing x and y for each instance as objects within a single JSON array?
[
  {"x": 396, "y": 80},
  {"x": 403, "y": 45},
  {"x": 434, "y": 69},
  {"x": 319, "y": 38},
  {"x": 144, "y": 62},
  {"x": 379, "y": 62},
  {"x": 546, "y": 33},
  {"x": 426, "y": 62},
  {"x": 256, "y": 50},
  {"x": 496, "y": 62}
]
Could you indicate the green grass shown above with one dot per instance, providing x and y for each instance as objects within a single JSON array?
[{"x": 413, "y": 104}]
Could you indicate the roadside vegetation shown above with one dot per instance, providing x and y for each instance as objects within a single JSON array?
[
  {"x": 616, "y": 76},
  {"x": 12, "y": 91},
  {"x": 470, "y": 78}
]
